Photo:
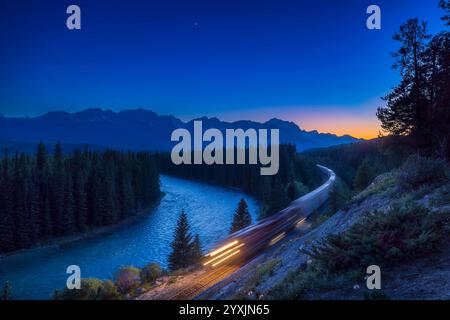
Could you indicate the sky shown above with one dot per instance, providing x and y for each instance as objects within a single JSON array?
[{"x": 311, "y": 62}]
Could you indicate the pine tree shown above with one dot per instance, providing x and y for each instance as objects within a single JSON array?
[
  {"x": 363, "y": 175},
  {"x": 241, "y": 218},
  {"x": 68, "y": 217},
  {"x": 42, "y": 197},
  {"x": 7, "y": 224},
  {"x": 407, "y": 110},
  {"x": 196, "y": 251},
  {"x": 445, "y": 5},
  {"x": 57, "y": 190},
  {"x": 181, "y": 255}
]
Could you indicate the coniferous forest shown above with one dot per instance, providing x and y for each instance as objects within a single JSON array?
[
  {"x": 55, "y": 194},
  {"x": 297, "y": 176}
]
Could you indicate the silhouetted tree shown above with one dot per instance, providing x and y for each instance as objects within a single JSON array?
[
  {"x": 241, "y": 218},
  {"x": 196, "y": 252},
  {"x": 406, "y": 107},
  {"x": 445, "y": 5},
  {"x": 419, "y": 106},
  {"x": 363, "y": 176},
  {"x": 181, "y": 255},
  {"x": 43, "y": 197}
]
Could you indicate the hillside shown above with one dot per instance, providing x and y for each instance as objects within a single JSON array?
[
  {"x": 139, "y": 129},
  {"x": 400, "y": 222}
]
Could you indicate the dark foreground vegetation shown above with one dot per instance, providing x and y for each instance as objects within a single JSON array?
[
  {"x": 406, "y": 231},
  {"x": 47, "y": 196}
]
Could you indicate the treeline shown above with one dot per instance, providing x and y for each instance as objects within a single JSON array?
[
  {"x": 419, "y": 105},
  {"x": 297, "y": 175},
  {"x": 357, "y": 164},
  {"x": 46, "y": 196}
]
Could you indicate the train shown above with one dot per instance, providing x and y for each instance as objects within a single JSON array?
[{"x": 248, "y": 242}]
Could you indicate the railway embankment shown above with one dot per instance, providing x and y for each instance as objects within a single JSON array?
[{"x": 400, "y": 223}]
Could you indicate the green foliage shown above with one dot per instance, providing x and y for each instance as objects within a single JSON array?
[
  {"x": 265, "y": 270},
  {"x": 296, "y": 189},
  {"x": 89, "y": 290},
  {"x": 363, "y": 175},
  {"x": 382, "y": 238},
  {"x": 151, "y": 272},
  {"x": 196, "y": 251},
  {"x": 271, "y": 191},
  {"x": 127, "y": 279},
  {"x": 418, "y": 171},
  {"x": 46, "y": 196},
  {"x": 305, "y": 280},
  {"x": 108, "y": 291},
  {"x": 241, "y": 218},
  {"x": 186, "y": 251},
  {"x": 345, "y": 160},
  {"x": 442, "y": 196},
  {"x": 418, "y": 106},
  {"x": 445, "y": 5}
]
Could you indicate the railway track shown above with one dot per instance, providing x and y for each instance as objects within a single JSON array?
[
  {"x": 245, "y": 244},
  {"x": 204, "y": 283}
]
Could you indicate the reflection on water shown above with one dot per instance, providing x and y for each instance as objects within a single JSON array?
[{"x": 35, "y": 274}]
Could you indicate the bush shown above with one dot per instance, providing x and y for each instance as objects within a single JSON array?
[
  {"x": 379, "y": 238},
  {"x": 417, "y": 171},
  {"x": 151, "y": 272},
  {"x": 89, "y": 290},
  {"x": 128, "y": 279},
  {"x": 109, "y": 291}
]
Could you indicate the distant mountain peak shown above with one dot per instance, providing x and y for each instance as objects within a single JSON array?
[{"x": 141, "y": 129}]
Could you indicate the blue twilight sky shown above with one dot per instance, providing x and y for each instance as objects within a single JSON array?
[{"x": 313, "y": 62}]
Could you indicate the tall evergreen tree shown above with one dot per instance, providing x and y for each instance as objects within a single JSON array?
[
  {"x": 445, "y": 5},
  {"x": 406, "y": 111},
  {"x": 196, "y": 251},
  {"x": 7, "y": 221},
  {"x": 43, "y": 197},
  {"x": 241, "y": 218},
  {"x": 363, "y": 175},
  {"x": 181, "y": 255}
]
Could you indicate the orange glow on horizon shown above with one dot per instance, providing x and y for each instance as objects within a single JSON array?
[
  {"x": 359, "y": 121},
  {"x": 353, "y": 126}
]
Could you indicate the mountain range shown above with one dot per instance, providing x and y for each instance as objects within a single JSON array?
[{"x": 139, "y": 129}]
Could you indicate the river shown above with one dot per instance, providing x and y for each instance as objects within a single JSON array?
[{"x": 35, "y": 274}]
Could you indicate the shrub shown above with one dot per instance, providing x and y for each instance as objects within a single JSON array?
[
  {"x": 151, "y": 272},
  {"x": 108, "y": 291},
  {"x": 442, "y": 196},
  {"x": 379, "y": 238},
  {"x": 89, "y": 290},
  {"x": 417, "y": 171},
  {"x": 128, "y": 279}
]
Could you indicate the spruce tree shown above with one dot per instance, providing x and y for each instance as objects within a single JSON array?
[
  {"x": 181, "y": 255},
  {"x": 196, "y": 251},
  {"x": 363, "y": 175},
  {"x": 6, "y": 208},
  {"x": 241, "y": 218}
]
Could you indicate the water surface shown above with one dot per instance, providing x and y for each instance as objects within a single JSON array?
[{"x": 36, "y": 273}]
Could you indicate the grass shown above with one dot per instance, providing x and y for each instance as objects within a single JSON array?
[
  {"x": 442, "y": 196},
  {"x": 403, "y": 233},
  {"x": 264, "y": 271}
]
